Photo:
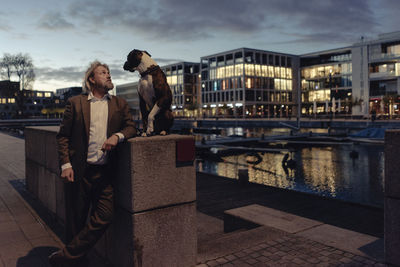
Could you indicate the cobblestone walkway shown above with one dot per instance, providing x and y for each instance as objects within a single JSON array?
[{"x": 291, "y": 250}]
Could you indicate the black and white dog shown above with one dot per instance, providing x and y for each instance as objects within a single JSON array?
[{"x": 155, "y": 96}]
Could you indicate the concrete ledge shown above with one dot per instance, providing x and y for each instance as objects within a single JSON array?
[{"x": 148, "y": 177}]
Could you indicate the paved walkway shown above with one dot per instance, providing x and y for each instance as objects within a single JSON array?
[{"x": 26, "y": 240}]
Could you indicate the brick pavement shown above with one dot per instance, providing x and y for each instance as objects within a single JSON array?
[{"x": 291, "y": 250}]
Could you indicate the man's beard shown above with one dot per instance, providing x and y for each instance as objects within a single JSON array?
[{"x": 108, "y": 86}]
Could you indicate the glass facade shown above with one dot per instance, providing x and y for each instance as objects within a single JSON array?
[
  {"x": 183, "y": 79},
  {"x": 326, "y": 84},
  {"x": 247, "y": 83},
  {"x": 384, "y": 78}
]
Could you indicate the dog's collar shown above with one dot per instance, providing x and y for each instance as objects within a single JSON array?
[{"x": 149, "y": 70}]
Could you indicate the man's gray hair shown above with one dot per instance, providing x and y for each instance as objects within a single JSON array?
[{"x": 86, "y": 85}]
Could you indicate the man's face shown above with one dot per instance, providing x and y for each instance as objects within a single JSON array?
[{"x": 102, "y": 79}]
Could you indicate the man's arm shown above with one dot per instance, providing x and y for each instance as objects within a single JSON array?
[{"x": 128, "y": 129}]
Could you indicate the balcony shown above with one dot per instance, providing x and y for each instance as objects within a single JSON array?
[{"x": 384, "y": 56}]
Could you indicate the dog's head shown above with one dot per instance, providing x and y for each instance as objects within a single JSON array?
[{"x": 133, "y": 60}]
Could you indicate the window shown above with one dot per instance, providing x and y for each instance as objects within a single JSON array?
[
  {"x": 249, "y": 57},
  {"x": 212, "y": 62},
  {"x": 239, "y": 70},
  {"x": 238, "y": 57},
  {"x": 249, "y": 68}
]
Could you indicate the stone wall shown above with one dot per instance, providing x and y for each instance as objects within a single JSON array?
[{"x": 155, "y": 197}]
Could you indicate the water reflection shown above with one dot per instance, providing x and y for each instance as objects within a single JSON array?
[{"x": 326, "y": 171}]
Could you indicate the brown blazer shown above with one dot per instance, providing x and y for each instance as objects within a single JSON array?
[{"x": 73, "y": 137}]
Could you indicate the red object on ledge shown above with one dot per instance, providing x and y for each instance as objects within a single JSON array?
[{"x": 185, "y": 152}]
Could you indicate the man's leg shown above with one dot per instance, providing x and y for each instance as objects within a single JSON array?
[
  {"x": 77, "y": 203},
  {"x": 100, "y": 216}
]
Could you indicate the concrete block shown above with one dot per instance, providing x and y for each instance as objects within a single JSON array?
[
  {"x": 151, "y": 178},
  {"x": 35, "y": 145},
  {"x": 47, "y": 188},
  {"x": 60, "y": 199},
  {"x": 162, "y": 237},
  {"x": 31, "y": 177},
  {"x": 392, "y": 231},
  {"x": 51, "y": 162},
  {"x": 392, "y": 163}
]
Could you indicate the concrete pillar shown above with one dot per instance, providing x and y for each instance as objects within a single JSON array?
[
  {"x": 156, "y": 194},
  {"x": 392, "y": 197}
]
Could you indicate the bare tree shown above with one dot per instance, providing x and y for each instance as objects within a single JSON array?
[
  {"x": 7, "y": 65},
  {"x": 23, "y": 66},
  {"x": 29, "y": 79}
]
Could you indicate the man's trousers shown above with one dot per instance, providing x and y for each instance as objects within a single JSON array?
[{"x": 94, "y": 193}]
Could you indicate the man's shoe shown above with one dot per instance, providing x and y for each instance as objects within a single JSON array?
[{"x": 58, "y": 259}]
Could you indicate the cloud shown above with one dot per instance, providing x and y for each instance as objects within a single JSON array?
[
  {"x": 54, "y": 21},
  {"x": 66, "y": 74},
  {"x": 178, "y": 20},
  {"x": 73, "y": 75},
  {"x": 4, "y": 25}
]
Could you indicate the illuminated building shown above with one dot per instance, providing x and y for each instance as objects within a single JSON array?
[
  {"x": 326, "y": 82},
  {"x": 383, "y": 68},
  {"x": 352, "y": 81},
  {"x": 183, "y": 79},
  {"x": 16, "y": 103},
  {"x": 249, "y": 83},
  {"x": 356, "y": 81}
]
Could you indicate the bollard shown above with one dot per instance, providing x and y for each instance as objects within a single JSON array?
[{"x": 392, "y": 198}]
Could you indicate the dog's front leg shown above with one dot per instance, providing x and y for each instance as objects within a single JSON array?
[{"x": 152, "y": 115}]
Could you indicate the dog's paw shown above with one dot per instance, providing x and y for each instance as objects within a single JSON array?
[
  {"x": 144, "y": 134},
  {"x": 163, "y": 133}
]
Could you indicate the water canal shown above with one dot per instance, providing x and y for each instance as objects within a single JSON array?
[{"x": 325, "y": 170}]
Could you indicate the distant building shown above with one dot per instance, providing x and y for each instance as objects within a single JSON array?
[
  {"x": 184, "y": 81},
  {"x": 65, "y": 93},
  {"x": 326, "y": 82},
  {"x": 353, "y": 80},
  {"x": 129, "y": 92},
  {"x": 15, "y": 103},
  {"x": 249, "y": 83}
]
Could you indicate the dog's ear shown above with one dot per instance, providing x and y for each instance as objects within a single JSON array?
[{"x": 147, "y": 53}]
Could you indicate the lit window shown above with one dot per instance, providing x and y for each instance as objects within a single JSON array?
[
  {"x": 47, "y": 94},
  {"x": 39, "y": 94}
]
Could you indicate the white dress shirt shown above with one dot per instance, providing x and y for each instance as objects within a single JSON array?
[{"x": 97, "y": 131}]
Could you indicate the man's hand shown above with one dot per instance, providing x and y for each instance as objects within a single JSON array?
[
  {"x": 68, "y": 175},
  {"x": 110, "y": 143}
]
